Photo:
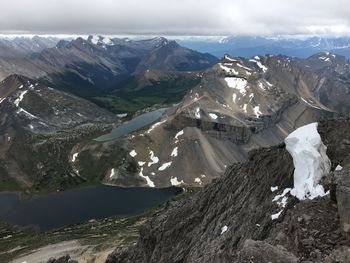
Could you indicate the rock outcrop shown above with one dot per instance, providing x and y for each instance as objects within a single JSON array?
[{"x": 247, "y": 215}]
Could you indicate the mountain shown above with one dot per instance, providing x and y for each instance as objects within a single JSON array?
[
  {"x": 239, "y": 105},
  {"x": 38, "y": 128},
  {"x": 88, "y": 66},
  {"x": 250, "y": 46},
  {"x": 249, "y": 215},
  {"x": 24, "y": 46}
]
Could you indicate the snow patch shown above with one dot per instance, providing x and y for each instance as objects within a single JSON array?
[
  {"x": 164, "y": 166},
  {"x": 198, "y": 180},
  {"x": 310, "y": 161},
  {"x": 227, "y": 69},
  {"x": 133, "y": 153},
  {"x": 257, "y": 111},
  {"x": 180, "y": 133},
  {"x": 155, "y": 125},
  {"x": 74, "y": 157},
  {"x": 237, "y": 83},
  {"x": 174, "y": 152},
  {"x": 274, "y": 188},
  {"x": 339, "y": 167},
  {"x": 20, "y": 98},
  {"x": 112, "y": 173},
  {"x": 154, "y": 159},
  {"x": 275, "y": 216},
  {"x": 259, "y": 64},
  {"x": 223, "y": 229},
  {"x": 213, "y": 116},
  {"x": 197, "y": 113},
  {"x": 175, "y": 182},
  {"x": 141, "y": 163},
  {"x": 148, "y": 180}
]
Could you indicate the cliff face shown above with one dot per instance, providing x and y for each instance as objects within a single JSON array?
[{"x": 242, "y": 217}]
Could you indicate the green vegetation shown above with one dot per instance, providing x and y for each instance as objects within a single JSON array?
[{"x": 131, "y": 95}]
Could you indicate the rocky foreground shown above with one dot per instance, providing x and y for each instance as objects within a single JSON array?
[{"x": 242, "y": 216}]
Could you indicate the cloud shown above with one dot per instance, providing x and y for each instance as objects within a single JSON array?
[{"x": 180, "y": 17}]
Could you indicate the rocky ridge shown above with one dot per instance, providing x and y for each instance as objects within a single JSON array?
[{"x": 237, "y": 218}]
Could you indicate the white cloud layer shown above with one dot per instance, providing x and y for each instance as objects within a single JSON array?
[{"x": 176, "y": 17}]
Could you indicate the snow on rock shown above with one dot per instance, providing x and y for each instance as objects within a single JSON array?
[
  {"x": 275, "y": 216},
  {"x": 237, "y": 83},
  {"x": 74, "y": 157},
  {"x": 310, "y": 161},
  {"x": 197, "y": 113},
  {"x": 153, "y": 158},
  {"x": 20, "y": 98},
  {"x": 234, "y": 96},
  {"x": 141, "y": 163},
  {"x": 2, "y": 99},
  {"x": 259, "y": 64},
  {"x": 213, "y": 116},
  {"x": 155, "y": 125},
  {"x": 245, "y": 108},
  {"x": 180, "y": 133},
  {"x": 133, "y": 153},
  {"x": 31, "y": 116},
  {"x": 257, "y": 111},
  {"x": 274, "y": 188},
  {"x": 198, "y": 180},
  {"x": 148, "y": 180},
  {"x": 241, "y": 66},
  {"x": 174, "y": 152},
  {"x": 175, "y": 182},
  {"x": 95, "y": 39},
  {"x": 339, "y": 167},
  {"x": 164, "y": 166},
  {"x": 112, "y": 173},
  {"x": 122, "y": 115},
  {"x": 282, "y": 199},
  {"x": 229, "y": 58},
  {"x": 223, "y": 229},
  {"x": 227, "y": 69}
]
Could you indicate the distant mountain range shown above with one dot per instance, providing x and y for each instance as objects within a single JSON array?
[
  {"x": 250, "y": 46},
  {"x": 87, "y": 66}
]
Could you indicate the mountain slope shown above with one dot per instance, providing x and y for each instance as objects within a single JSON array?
[
  {"x": 239, "y": 105},
  {"x": 231, "y": 219},
  {"x": 88, "y": 66},
  {"x": 39, "y": 127}
]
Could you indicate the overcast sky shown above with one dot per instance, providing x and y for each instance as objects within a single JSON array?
[{"x": 176, "y": 17}]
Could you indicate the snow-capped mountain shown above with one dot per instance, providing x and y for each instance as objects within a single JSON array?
[
  {"x": 250, "y": 46},
  {"x": 84, "y": 66},
  {"x": 239, "y": 105}
]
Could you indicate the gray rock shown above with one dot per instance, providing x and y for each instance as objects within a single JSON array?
[
  {"x": 260, "y": 251},
  {"x": 343, "y": 198}
]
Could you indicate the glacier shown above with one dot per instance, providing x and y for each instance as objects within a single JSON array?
[{"x": 310, "y": 161}]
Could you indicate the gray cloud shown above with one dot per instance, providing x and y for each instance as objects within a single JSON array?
[{"x": 176, "y": 17}]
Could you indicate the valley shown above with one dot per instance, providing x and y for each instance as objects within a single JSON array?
[{"x": 102, "y": 133}]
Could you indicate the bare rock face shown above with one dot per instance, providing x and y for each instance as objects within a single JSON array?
[
  {"x": 342, "y": 178},
  {"x": 241, "y": 217},
  {"x": 260, "y": 251}
]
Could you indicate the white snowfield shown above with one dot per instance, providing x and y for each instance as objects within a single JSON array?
[
  {"x": 310, "y": 161},
  {"x": 237, "y": 83}
]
